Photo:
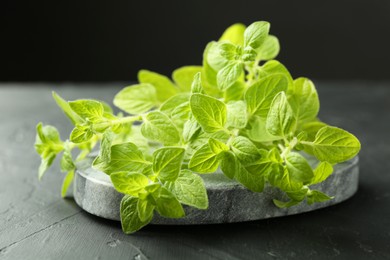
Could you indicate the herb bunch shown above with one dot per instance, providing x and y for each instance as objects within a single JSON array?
[{"x": 241, "y": 111}]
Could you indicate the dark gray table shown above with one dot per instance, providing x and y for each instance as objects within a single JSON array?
[{"x": 35, "y": 223}]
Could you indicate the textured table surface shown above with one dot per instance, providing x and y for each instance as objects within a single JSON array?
[{"x": 35, "y": 223}]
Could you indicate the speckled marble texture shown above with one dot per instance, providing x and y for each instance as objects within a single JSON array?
[{"x": 228, "y": 200}]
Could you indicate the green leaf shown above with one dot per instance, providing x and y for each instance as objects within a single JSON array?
[
  {"x": 184, "y": 76},
  {"x": 229, "y": 165},
  {"x": 259, "y": 96},
  {"x": 249, "y": 54},
  {"x": 322, "y": 172},
  {"x": 311, "y": 129},
  {"x": 168, "y": 206},
  {"x": 167, "y": 162},
  {"x": 181, "y": 114},
  {"x": 263, "y": 166},
  {"x": 217, "y": 146},
  {"x": 236, "y": 114},
  {"x": 229, "y": 74},
  {"x": 230, "y": 51},
  {"x": 269, "y": 49},
  {"x": 47, "y": 135},
  {"x": 274, "y": 67},
  {"x": 333, "y": 145},
  {"x": 81, "y": 134},
  {"x": 66, "y": 183},
  {"x": 196, "y": 85},
  {"x": 74, "y": 118},
  {"x": 317, "y": 196},
  {"x": 136, "y": 99},
  {"x": 130, "y": 183},
  {"x": 204, "y": 160},
  {"x": 45, "y": 164},
  {"x": 66, "y": 163},
  {"x": 209, "y": 112},
  {"x": 274, "y": 155},
  {"x": 105, "y": 145},
  {"x": 214, "y": 59},
  {"x": 47, "y": 144},
  {"x": 255, "y": 34},
  {"x": 298, "y": 168},
  {"x": 106, "y": 107},
  {"x": 89, "y": 110},
  {"x": 234, "y": 34},
  {"x": 169, "y": 105},
  {"x": 191, "y": 126},
  {"x": 304, "y": 100},
  {"x": 129, "y": 215},
  {"x": 209, "y": 75},
  {"x": 114, "y": 124},
  {"x": 124, "y": 157},
  {"x": 280, "y": 177},
  {"x": 280, "y": 118},
  {"x": 245, "y": 150},
  {"x": 287, "y": 204},
  {"x": 145, "y": 209},
  {"x": 162, "y": 84},
  {"x": 47, "y": 141},
  {"x": 189, "y": 189},
  {"x": 132, "y": 133},
  {"x": 298, "y": 195},
  {"x": 158, "y": 127},
  {"x": 257, "y": 132},
  {"x": 251, "y": 181},
  {"x": 153, "y": 190},
  {"x": 235, "y": 92}
]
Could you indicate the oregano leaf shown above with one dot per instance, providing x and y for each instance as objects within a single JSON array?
[
  {"x": 189, "y": 189},
  {"x": 64, "y": 105},
  {"x": 321, "y": 172},
  {"x": 130, "y": 183},
  {"x": 184, "y": 76},
  {"x": 204, "y": 160},
  {"x": 280, "y": 118},
  {"x": 317, "y": 196},
  {"x": 90, "y": 110},
  {"x": 129, "y": 215},
  {"x": 269, "y": 49},
  {"x": 124, "y": 157},
  {"x": 234, "y": 34},
  {"x": 298, "y": 168},
  {"x": 236, "y": 114},
  {"x": 303, "y": 99},
  {"x": 333, "y": 145},
  {"x": 255, "y": 34},
  {"x": 158, "y": 127},
  {"x": 66, "y": 182},
  {"x": 163, "y": 86},
  {"x": 167, "y": 162},
  {"x": 209, "y": 112},
  {"x": 168, "y": 206},
  {"x": 229, "y": 74},
  {"x": 136, "y": 99},
  {"x": 259, "y": 95}
]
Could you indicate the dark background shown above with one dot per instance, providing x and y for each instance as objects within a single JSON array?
[{"x": 111, "y": 40}]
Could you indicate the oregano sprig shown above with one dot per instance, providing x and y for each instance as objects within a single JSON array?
[{"x": 241, "y": 112}]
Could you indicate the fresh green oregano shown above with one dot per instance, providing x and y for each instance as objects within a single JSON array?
[{"x": 241, "y": 112}]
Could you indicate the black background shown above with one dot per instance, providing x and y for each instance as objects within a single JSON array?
[{"x": 112, "y": 40}]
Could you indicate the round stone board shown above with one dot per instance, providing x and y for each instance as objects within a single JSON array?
[{"x": 228, "y": 200}]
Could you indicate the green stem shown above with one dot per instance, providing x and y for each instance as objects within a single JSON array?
[
  {"x": 289, "y": 146},
  {"x": 100, "y": 127},
  {"x": 128, "y": 119}
]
